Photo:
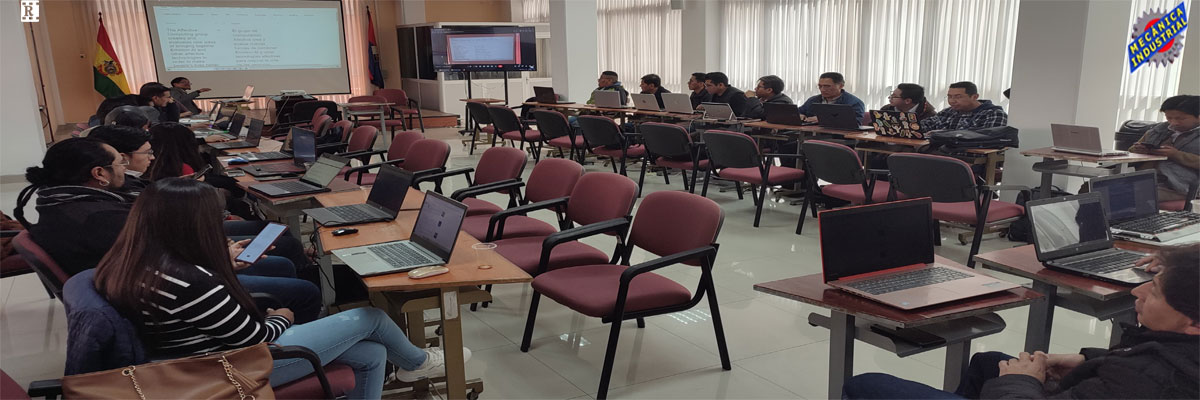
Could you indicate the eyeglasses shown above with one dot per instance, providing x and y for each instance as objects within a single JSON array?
[
  {"x": 147, "y": 152},
  {"x": 117, "y": 164}
]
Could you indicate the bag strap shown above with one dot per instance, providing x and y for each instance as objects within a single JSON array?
[
  {"x": 224, "y": 362},
  {"x": 129, "y": 372}
]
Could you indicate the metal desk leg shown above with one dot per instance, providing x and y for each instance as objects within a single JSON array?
[
  {"x": 1041, "y": 318},
  {"x": 456, "y": 374},
  {"x": 1047, "y": 179},
  {"x": 1128, "y": 318},
  {"x": 989, "y": 168},
  {"x": 958, "y": 356},
  {"x": 328, "y": 287},
  {"x": 841, "y": 351}
]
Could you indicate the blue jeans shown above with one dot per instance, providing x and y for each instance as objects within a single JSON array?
[
  {"x": 277, "y": 277},
  {"x": 983, "y": 366},
  {"x": 363, "y": 338}
]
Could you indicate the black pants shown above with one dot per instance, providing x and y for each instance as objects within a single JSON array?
[{"x": 984, "y": 366}]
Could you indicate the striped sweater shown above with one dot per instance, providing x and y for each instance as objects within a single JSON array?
[{"x": 192, "y": 312}]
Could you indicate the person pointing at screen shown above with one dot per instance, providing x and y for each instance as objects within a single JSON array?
[{"x": 179, "y": 91}]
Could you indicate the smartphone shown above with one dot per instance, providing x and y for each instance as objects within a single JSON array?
[
  {"x": 261, "y": 243},
  {"x": 202, "y": 171},
  {"x": 233, "y": 173}
]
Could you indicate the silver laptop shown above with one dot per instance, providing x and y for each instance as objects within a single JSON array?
[
  {"x": 1071, "y": 234},
  {"x": 679, "y": 103},
  {"x": 383, "y": 204},
  {"x": 1131, "y": 204},
  {"x": 246, "y": 95},
  {"x": 717, "y": 111},
  {"x": 316, "y": 180},
  {"x": 645, "y": 102},
  {"x": 432, "y": 241},
  {"x": 1080, "y": 139},
  {"x": 607, "y": 99}
]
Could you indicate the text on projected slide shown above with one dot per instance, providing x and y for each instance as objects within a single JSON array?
[
  {"x": 225, "y": 38},
  {"x": 486, "y": 48}
]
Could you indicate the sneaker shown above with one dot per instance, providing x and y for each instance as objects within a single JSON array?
[{"x": 434, "y": 366}]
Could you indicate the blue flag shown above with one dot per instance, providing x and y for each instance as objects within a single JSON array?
[{"x": 373, "y": 69}]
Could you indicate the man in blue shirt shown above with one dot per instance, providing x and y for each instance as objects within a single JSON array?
[
  {"x": 831, "y": 85},
  {"x": 966, "y": 111}
]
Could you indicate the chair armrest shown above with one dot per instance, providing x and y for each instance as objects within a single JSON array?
[
  {"x": 496, "y": 222},
  {"x": 49, "y": 388},
  {"x": 996, "y": 188},
  {"x": 878, "y": 172},
  {"x": 778, "y": 155},
  {"x": 369, "y": 167},
  {"x": 477, "y": 190},
  {"x": 426, "y": 175},
  {"x": 631, "y": 272},
  {"x": 461, "y": 171},
  {"x": 338, "y": 145},
  {"x": 286, "y": 352},
  {"x": 356, "y": 154},
  {"x": 1191, "y": 195},
  {"x": 618, "y": 225}
]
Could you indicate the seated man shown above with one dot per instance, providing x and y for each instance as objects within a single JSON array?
[
  {"x": 966, "y": 111},
  {"x": 699, "y": 93},
  {"x": 157, "y": 95},
  {"x": 1159, "y": 359},
  {"x": 608, "y": 81},
  {"x": 769, "y": 89},
  {"x": 1175, "y": 139},
  {"x": 186, "y": 101},
  {"x": 910, "y": 97},
  {"x": 717, "y": 85},
  {"x": 832, "y": 87},
  {"x": 652, "y": 84}
]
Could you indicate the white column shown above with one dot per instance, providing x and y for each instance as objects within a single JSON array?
[
  {"x": 410, "y": 12},
  {"x": 1189, "y": 78},
  {"x": 700, "y": 42},
  {"x": 573, "y": 47},
  {"x": 21, "y": 139}
]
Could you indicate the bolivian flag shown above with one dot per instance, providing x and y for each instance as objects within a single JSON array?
[{"x": 107, "y": 75}]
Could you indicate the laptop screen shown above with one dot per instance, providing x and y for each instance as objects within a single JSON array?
[
  {"x": 325, "y": 170},
  {"x": 1129, "y": 195},
  {"x": 1069, "y": 223},
  {"x": 438, "y": 223},
  {"x": 854, "y": 242},
  {"x": 304, "y": 145},
  {"x": 254, "y": 132},
  {"x": 390, "y": 188},
  {"x": 249, "y": 92},
  {"x": 545, "y": 94},
  {"x": 235, "y": 124}
]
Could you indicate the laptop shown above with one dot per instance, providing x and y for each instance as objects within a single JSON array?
[
  {"x": 645, "y": 102},
  {"x": 893, "y": 263},
  {"x": 838, "y": 116},
  {"x": 316, "y": 180},
  {"x": 1071, "y": 234},
  {"x": 679, "y": 103},
  {"x": 235, "y": 123},
  {"x": 895, "y": 123},
  {"x": 717, "y": 111},
  {"x": 383, "y": 204},
  {"x": 432, "y": 241},
  {"x": 304, "y": 151},
  {"x": 246, "y": 95},
  {"x": 546, "y": 95},
  {"x": 607, "y": 99},
  {"x": 253, "y": 137},
  {"x": 1131, "y": 204},
  {"x": 1080, "y": 139},
  {"x": 784, "y": 114}
]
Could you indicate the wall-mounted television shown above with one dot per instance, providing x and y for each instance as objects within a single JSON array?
[{"x": 483, "y": 48}]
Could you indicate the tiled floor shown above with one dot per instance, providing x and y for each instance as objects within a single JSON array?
[{"x": 775, "y": 353}]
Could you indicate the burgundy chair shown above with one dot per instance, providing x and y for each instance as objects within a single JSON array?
[
  {"x": 10, "y": 389},
  {"x": 395, "y": 156},
  {"x": 606, "y": 139},
  {"x": 425, "y": 159},
  {"x": 956, "y": 196},
  {"x": 552, "y": 179},
  {"x": 1180, "y": 205},
  {"x": 497, "y": 166},
  {"x": 313, "y": 124},
  {"x": 736, "y": 157},
  {"x": 848, "y": 180},
  {"x": 510, "y": 127},
  {"x": 52, "y": 276},
  {"x": 404, "y": 105},
  {"x": 670, "y": 146},
  {"x": 483, "y": 122},
  {"x": 558, "y": 133},
  {"x": 681, "y": 228}
]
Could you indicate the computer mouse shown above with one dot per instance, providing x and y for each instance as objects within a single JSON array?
[
  {"x": 425, "y": 272},
  {"x": 344, "y": 231},
  {"x": 238, "y": 161}
]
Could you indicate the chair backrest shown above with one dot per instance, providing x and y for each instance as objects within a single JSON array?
[
  {"x": 397, "y": 96},
  {"x": 552, "y": 124},
  {"x": 304, "y": 110},
  {"x": 601, "y": 196},
  {"x": 426, "y": 154},
  {"x": 601, "y": 131},
  {"x": 346, "y": 126},
  {"x": 362, "y": 138},
  {"x": 667, "y": 140},
  {"x": 331, "y": 109},
  {"x": 498, "y": 164},
  {"x": 402, "y": 143},
  {"x": 670, "y": 222},
  {"x": 10, "y": 389},
  {"x": 322, "y": 124},
  {"x": 732, "y": 150},
  {"x": 318, "y": 113},
  {"x": 943, "y": 179},
  {"x": 40, "y": 261},
  {"x": 504, "y": 119},
  {"x": 552, "y": 178},
  {"x": 99, "y": 337},
  {"x": 833, "y": 162},
  {"x": 479, "y": 113}
]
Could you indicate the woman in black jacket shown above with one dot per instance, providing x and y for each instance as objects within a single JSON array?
[{"x": 1160, "y": 359}]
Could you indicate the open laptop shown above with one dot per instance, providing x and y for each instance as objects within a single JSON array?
[
  {"x": 896, "y": 123},
  {"x": 645, "y": 102},
  {"x": 679, "y": 103},
  {"x": 607, "y": 99},
  {"x": 1131, "y": 204},
  {"x": 383, "y": 204},
  {"x": 893, "y": 263},
  {"x": 717, "y": 111},
  {"x": 838, "y": 116},
  {"x": 432, "y": 241},
  {"x": 783, "y": 114},
  {"x": 1080, "y": 139},
  {"x": 235, "y": 123},
  {"x": 253, "y": 137},
  {"x": 1071, "y": 234},
  {"x": 316, "y": 180},
  {"x": 304, "y": 152},
  {"x": 546, "y": 95},
  {"x": 246, "y": 95}
]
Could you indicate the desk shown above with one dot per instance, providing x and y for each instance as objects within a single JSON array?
[
  {"x": 469, "y": 123},
  {"x": 1100, "y": 299},
  {"x": 1057, "y": 162},
  {"x": 287, "y": 208},
  {"x": 264, "y": 145},
  {"x": 381, "y": 109},
  {"x": 851, "y": 318},
  {"x": 386, "y": 290}
]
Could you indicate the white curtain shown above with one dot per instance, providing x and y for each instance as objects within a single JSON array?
[
  {"x": 535, "y": 10},
  {"x": 875, "y": 44},
  {"x": 639, "y": 37},
  {"x": 1143, "y": 91}
]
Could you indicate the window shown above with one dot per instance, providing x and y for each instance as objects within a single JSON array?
[
  {"x": 639, "y": 37},
  {"x": 535, "y": 10},
  {"x": 1143, "y": 91}
]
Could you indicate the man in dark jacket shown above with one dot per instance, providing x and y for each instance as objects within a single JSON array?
[
  {"x": 157, "y": 95},
  {"x": 652, "y": 84},
  {"x": 1158, "y": 360},
  {"x": 832, "y": 87},
  {"x": 608, "y": 81},
  {"x": 966, "y": 111},
  {"x": 699, "y": 93},
  {"x": 768, "y": 90},
  {"x": 717, "y": 85},
  {"x": 910, "y": 97}
]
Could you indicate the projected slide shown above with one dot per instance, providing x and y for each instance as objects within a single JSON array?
[
  {"x": 227, "y": 39},
  {"x": 474, "y": 49}
]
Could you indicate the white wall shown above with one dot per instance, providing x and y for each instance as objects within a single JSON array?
[
  {"x": 21, "y": 139},
  {"x": 701, "y": 44},
  {"x": 573, "y": 47}
]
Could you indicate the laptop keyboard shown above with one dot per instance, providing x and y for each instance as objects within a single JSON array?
[
  {"x": 908, "y": 280},
  {"x": 1160, "y": 222},
  {"x": 293, "y": 186},
  {"x": 1100, "y": 262},
  {"x": 350, "y": 213},
  {"x": 402, "y": 254},
  {"x": 266, "y": 155}
]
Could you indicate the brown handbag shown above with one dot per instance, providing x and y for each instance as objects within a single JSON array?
[{"x": 236, "y": 374}]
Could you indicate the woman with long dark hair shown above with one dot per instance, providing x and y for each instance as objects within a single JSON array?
[
  {"x": 178, "y": 286},
  {"x": 175, "y": 151}
]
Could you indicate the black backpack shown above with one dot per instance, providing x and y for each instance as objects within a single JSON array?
[
  {"x": 985, "y": 138},
  {"x": 1021, "y": 230}
]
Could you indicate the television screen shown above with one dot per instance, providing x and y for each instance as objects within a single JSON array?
[{"x": 483, "y": 48}]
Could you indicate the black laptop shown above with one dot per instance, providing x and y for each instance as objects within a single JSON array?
[
  {"x": 784, "y": 114},
  {"x": 253, "y": 137},
  {"x": 546, "y": 95},
  {"x": 838, "y": 116},
  {"x": 1071, "y": 234},
  {"x": 316, "y": 180},
  {"x": 304, "y": 151},
  {"x": 1132, "y": 208},
  {"x": 235, "y": 123},
  {"x": 383, "y": 204}
]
